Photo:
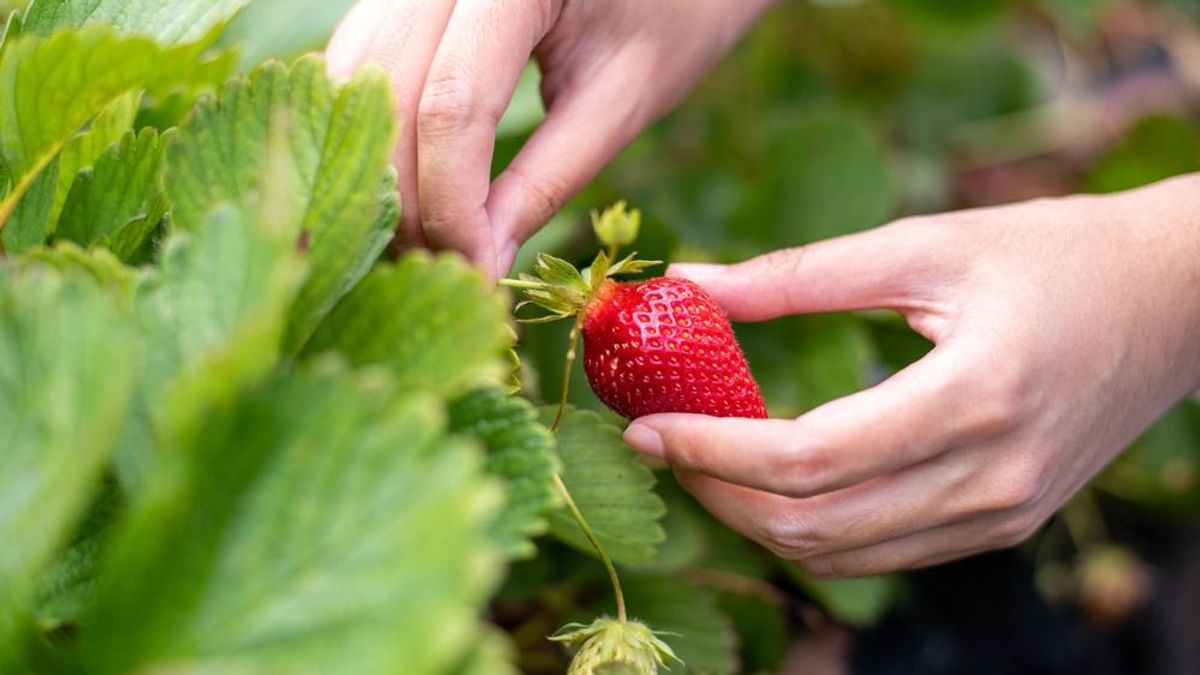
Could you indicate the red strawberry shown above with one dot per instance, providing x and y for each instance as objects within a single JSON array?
[
  {"x": 660, "y": 345},
  {"x": 663, "y": 345}
]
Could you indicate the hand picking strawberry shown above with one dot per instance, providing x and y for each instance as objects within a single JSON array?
[{"x": 652, "y": 346}]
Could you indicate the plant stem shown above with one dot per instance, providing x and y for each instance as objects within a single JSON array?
[
  {"x": 568, "y": 363},
  {"x": 591, "y": 537}
]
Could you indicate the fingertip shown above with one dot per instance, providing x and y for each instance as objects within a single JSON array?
[
  {"x": 645, "y": 440},
  {"x": 348, "y": 46}
]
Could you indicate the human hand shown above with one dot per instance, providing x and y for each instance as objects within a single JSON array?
[
  {"x": 608, "y": 70},
  {"x": 1062, "y": 327}
]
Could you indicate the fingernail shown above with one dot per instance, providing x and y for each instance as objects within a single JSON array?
[
  {"x": 644, "y": 439},
  {"x": 695, "y": 270}
]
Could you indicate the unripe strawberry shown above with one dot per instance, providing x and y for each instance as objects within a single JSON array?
[{"x": 663, "y": 345}]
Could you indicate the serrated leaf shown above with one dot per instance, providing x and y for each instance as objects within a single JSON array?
[
  {"x": 118, "y": 201},
  {"x": 520, "y": 451},
  {"x": 688, "y": 619},
  {"x": 168, "y": 22},
  {"x": 337, "y": 141},
  {"x": 66, "y": 377},
  {"x": 56, "y": 84},
  {"x": 430, "y": 320},
  {"x": 99, "y": 263},
  {"x": 36, "y": 216},
  {"x": 213, "y": 316},
  {"x": 29, "y": 224},
  {"x": 611, "y": 486},
  {"x": 316, "y": 524}
]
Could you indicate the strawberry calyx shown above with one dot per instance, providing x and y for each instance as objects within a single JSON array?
[{"x": 564, "y": 291}]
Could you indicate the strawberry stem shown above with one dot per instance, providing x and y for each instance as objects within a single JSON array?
[
  {"x": 591, "y": 537},
  {"x": 568, "y": 363}
]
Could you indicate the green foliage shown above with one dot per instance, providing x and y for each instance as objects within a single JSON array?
[
  {"x": 60, "y": 82},
  {"x": 610, "y": 485},
  {"x": 118, "y": 202},
  {"x": 521, "y": 451},
  {"x": 169, "y": 23},
  {"x": 701, "y": 635},
  {"x": 65, "y": 381},
  {"x": 1157, "y": 147},
  {"x": 458, "y": 342},
  {"x": 233, "y": 440},
  {"x": 283, "y": 536},
  {"x": 330, "y": 142}
]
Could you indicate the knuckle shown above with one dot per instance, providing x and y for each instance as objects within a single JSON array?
[
  {"x": 1015, "y": 488},
  {"x": 1016, "y": 528},
  {"x": 782, "y": 263},
  {"x": 792, "y": 535},
  {"x": 822, "y": 568},
  {"x": 547, "y": 193},
  {"x": 448, "y": 104},
  {"x": 802, "y": 472}
]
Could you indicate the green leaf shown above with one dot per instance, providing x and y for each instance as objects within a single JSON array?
[
  {"x": 318, "y": 523},
  {"x": 12, "y": 28},
  {"x": 84, "y": 148},
  {"x": 829, "y": 177},
  {"x": 336, "y": 142},
  {"x": 99, "y": 263},
  {"x": 56, "y": 84},
  {"x": 36, "y": 216},
  {"x": 803, "y": 361},
  {"x": 119, "y": 201},
  {"x": 430, "y": 320},
  {"x": 66, "y": 377},
  {"x": 213, "y": 317},
  {"x": 66, "y": 586},
  {"x": 520, "y": 451},
  {"x": 168, "y": 22},
  {"x": 611, "y": 486},
  {"x": 856, "y": 602},
  {"x": 29, "y": 224},
  {"x": 689, "y": 620},
  {"x": 1157, "y": 147}
]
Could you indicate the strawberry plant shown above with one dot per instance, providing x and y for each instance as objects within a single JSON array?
[
  {"x": 234, "y": 435},
  {"x": 237, "y": 435}
]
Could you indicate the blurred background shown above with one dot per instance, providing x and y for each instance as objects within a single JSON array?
[{"x": 838, "y": 115}]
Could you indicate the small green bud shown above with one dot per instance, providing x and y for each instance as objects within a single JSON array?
[
  {"x": 616, "y": 227},
  {"x": 611, "y": 647}
]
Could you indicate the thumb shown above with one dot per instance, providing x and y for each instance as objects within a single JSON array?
[{"x": 882, "y": 268}]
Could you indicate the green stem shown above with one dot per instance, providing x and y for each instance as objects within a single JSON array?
[
  {"x": 568, "y": 363},
  {"x": 591, "y": 537}
]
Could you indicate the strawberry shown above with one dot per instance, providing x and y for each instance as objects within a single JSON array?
[
  {"x": 663, "y": 345},
  {"x": 660, "y": 345}
]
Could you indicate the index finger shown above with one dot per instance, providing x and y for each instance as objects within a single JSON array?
[
  {"x": 470, "y": 83},
  {"x": 917, "y": 414}
]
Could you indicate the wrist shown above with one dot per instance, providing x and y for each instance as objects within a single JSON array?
[{"x": 1163, "y": 221}]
